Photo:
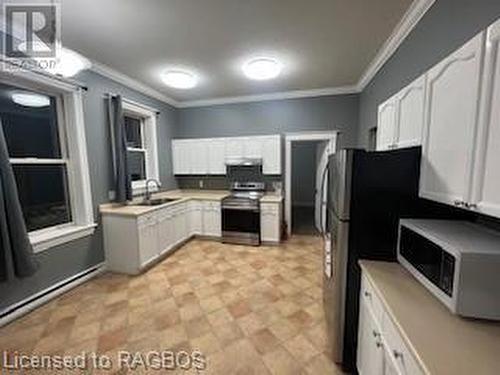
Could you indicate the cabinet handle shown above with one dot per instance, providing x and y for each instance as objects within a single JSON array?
[
  {"x": 378, "y": 344},
  {"x": 375, "y": 334},
  {"x": 368, "y": 294},
  {"x": 471, "y": 206},
  {"x": 397, "y": 354}
]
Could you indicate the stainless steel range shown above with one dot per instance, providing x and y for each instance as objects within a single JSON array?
[{"x": 241, "y": 213}]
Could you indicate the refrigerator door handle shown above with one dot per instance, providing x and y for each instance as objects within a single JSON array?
[{"x": 323, "y": 203}]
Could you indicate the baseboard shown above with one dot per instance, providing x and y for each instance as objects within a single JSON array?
[{"x": 23, "y": 307}]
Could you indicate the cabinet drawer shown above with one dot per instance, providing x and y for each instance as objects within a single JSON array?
[
  {"x": 370, "y": 297},
  {"x": 402, "y": 357},
  {"x": 270, "y": 207}
]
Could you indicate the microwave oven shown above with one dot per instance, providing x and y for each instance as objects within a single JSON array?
[{"x": 457, "y": 261}]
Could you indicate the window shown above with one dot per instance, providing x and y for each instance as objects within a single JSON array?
[
  {"x": 140, "y": 133},
  {"x": 43, "y": 128}
]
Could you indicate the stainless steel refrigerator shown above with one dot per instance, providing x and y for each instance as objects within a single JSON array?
[{"x": 368, "y": 192}]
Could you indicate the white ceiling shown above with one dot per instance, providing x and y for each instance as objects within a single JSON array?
[{"x": 322, "y": 43}]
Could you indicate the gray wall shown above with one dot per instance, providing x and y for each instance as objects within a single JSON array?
[
  {"x": 304, "y": 173},
  {"x": 444, "y": 28},
  {"x": 338, "y": 112},
  {"x": 64, "y": 261}
]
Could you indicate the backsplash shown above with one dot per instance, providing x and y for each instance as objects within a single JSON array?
[{"x": 217, "y": 182}]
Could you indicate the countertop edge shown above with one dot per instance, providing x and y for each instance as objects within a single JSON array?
[{"x": 107, "y": 209}]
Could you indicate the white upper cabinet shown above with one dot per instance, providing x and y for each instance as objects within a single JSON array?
[
  {"x": 216, "y": 156},
  {"x": 387, "y": 123},
  {"x": 410, "y": 114},
  {"x": 181, "y": 154},
  {"x": 235, "y": 147},
  {"x": 198, "y": 152},
  {"x": 400, "y": 118},
  {"x": 486, "y": 188},
  {"x": 208, "y": 155},
  {"x": 271, "y": 154},
  {"x": 452, "y": 97},
  {"x": 253, "y": 147}
]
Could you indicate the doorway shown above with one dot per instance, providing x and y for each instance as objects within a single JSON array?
[
  {"x": 305, "y": 180},
  {"x": 304, "y": 189}
]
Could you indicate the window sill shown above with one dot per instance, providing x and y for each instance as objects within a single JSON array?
[{"x": 59, "y": 236}]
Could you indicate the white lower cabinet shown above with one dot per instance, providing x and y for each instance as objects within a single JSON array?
[
  {"x": 270, "y": 222},
  {"x": 147, "y": 226},
  {"x": 133, "y": 242},
  {"x": 195, "y": 217},
  {"x": 381, "y": 348},
  {"x": 212, "y": 219},
  {"x": 370, "y": 359},
  {"x": 165, "y": 230}
]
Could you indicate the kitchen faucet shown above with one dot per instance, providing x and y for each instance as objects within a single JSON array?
[{"x": 147, "y": 197}]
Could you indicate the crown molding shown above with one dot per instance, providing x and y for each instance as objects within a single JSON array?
[
  {"x": 132, "y": 83},
  {"x": 410, "y": 19},
  {"x": 341, "y": 90},
  {"x": 407, "y": 23}
]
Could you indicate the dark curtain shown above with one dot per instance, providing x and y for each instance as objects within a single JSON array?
[
  {"x": 123, "y": 184},
  {"x": 16, "y": 253}
]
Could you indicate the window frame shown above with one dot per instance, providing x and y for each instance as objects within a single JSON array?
[
  {"x": 72, "y": 140},
  {"x": 149, "y": 143}
]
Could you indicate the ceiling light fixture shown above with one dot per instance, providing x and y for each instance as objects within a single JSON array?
[
  {"x": 262, "y": 68},
  {"x": 30, "y": 99},
  {"x": 179, "y": 79}
]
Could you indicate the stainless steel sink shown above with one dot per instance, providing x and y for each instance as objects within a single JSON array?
[{"x": 155, "y": 202}]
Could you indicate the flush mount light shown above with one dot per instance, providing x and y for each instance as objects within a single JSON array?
[
  {"x": 179, "y": 79},
  {"x": 30, "y": 99},
  {"x": 262, "y": 68}
]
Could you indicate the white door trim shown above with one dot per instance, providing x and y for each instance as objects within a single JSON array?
[{"x": 289, "y": 139}]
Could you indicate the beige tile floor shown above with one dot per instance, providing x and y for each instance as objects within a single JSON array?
[{"x": 248, "y": 310}]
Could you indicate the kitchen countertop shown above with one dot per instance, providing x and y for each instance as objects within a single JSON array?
[
  {"x": 181, "y": 196},
  {"x": 444, "y": 343}
]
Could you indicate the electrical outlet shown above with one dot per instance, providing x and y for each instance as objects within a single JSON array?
[
  {"x": 200, "y": 184},
  {"x": 111, "y": 195}
]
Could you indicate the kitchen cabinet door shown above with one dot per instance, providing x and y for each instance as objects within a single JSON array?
[
  {"x": 370, "y": 357},
  {"x": 198, "y": 156},
  {"x": 270, "y": 222},
  {"x": 452, "y": 97},
  {"x": 410, "y": 115},
  {"x": 386, "y": 125},
  {"x": 271, "y": 155},
  {"x": 211, "y": 219},
  {"x": 390, "y": 367},
  {"x": 216, "y": 156},
  {"x": 253, "y": 147},
  {"x": 165, "y": 230},
  {"x": 486, "y": 189},
  {"x": 195, "y": 218},
  {"x": 148, "y": 239},
  {"x": 181, "y": 153},
  {"x": 235, "y": 147}
]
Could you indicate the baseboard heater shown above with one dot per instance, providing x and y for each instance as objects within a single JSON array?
[{"x": 28, "y": 304}]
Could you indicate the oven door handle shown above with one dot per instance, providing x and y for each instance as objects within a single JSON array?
[{"x": 240, "y": 208}]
